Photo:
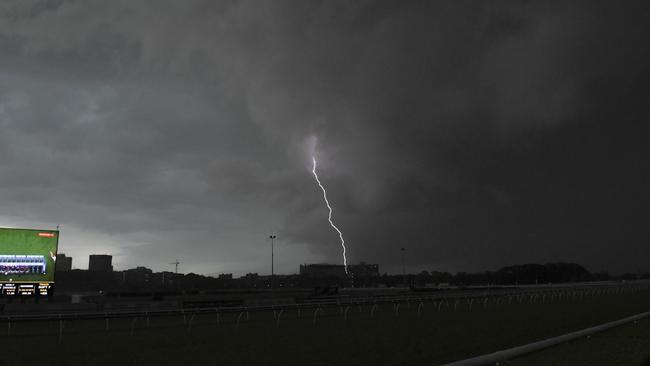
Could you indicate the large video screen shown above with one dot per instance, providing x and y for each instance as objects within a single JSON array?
[{"x": 27, "y": 261}]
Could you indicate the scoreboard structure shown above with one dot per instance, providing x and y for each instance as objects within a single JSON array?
[{"x": 27, "y": 261}]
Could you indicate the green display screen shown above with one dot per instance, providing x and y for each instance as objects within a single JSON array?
[{"x": 27, "y": 255}]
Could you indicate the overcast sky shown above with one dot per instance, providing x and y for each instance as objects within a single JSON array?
[{"x": 474, "y": 134}]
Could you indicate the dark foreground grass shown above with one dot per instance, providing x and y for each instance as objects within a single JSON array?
[
  {"x": 626, "y": 345},
  {"x": 430, "y": 338}
]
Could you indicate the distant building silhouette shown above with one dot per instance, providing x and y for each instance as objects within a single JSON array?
[
  {"x": 137, "y": 276},
  {"x": 251, "y": 279},
  {"x": 63, "y": 263},
  {"x": 364, "y": 269},
  {"x": 364, "y": 274},
  {"x": 322, "y": 270},
  {"x": 100, "y": 263}
]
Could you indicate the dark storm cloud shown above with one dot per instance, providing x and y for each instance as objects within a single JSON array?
[{"x": 473, "y": 134}]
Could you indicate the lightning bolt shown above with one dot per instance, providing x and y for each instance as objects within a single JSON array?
[{"x": 329, "y": 217}]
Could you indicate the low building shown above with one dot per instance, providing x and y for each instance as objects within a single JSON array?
[
  {"x": 364, "y": 274},
  {"x": 100, "y": 263},
  {"x": 137, "y": 276},
  {"x": 359, "y": 275},
  {"x": 364, "y": 269},
  {"x": 63, "y": 263},
  {"x": 323, "y": 270}
]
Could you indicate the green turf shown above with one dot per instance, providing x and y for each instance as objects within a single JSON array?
[
  {"x": 625, "y": 345},
  {"x": 387, "y": 338},
  {"x": 28, "y": 242}
]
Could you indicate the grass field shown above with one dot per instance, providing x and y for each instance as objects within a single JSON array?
[
  {"x": 385, "y": 337},
  {"x": 625, "y": 345},
  {"x": 28, "y": 242}
]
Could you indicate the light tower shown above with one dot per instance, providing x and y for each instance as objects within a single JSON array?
[
  {"x": 403, "y": 268},
  {"x": 272, "y": 237}
]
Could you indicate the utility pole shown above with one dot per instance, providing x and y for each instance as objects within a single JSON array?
[
  {"x": 176, "y": 264},
  {"x": 272, "y": 237},
  {"x": 403, "y": 268}
]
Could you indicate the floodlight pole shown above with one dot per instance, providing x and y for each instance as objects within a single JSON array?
[
  {"x": 272, "y": 237},
  {"x": 403, "y": 268}
]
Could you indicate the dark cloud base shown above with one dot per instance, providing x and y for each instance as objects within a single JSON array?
[{"x": 474, "y": 135}]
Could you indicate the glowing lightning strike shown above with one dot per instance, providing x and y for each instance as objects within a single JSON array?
[{"x": 329, "y": 217}]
